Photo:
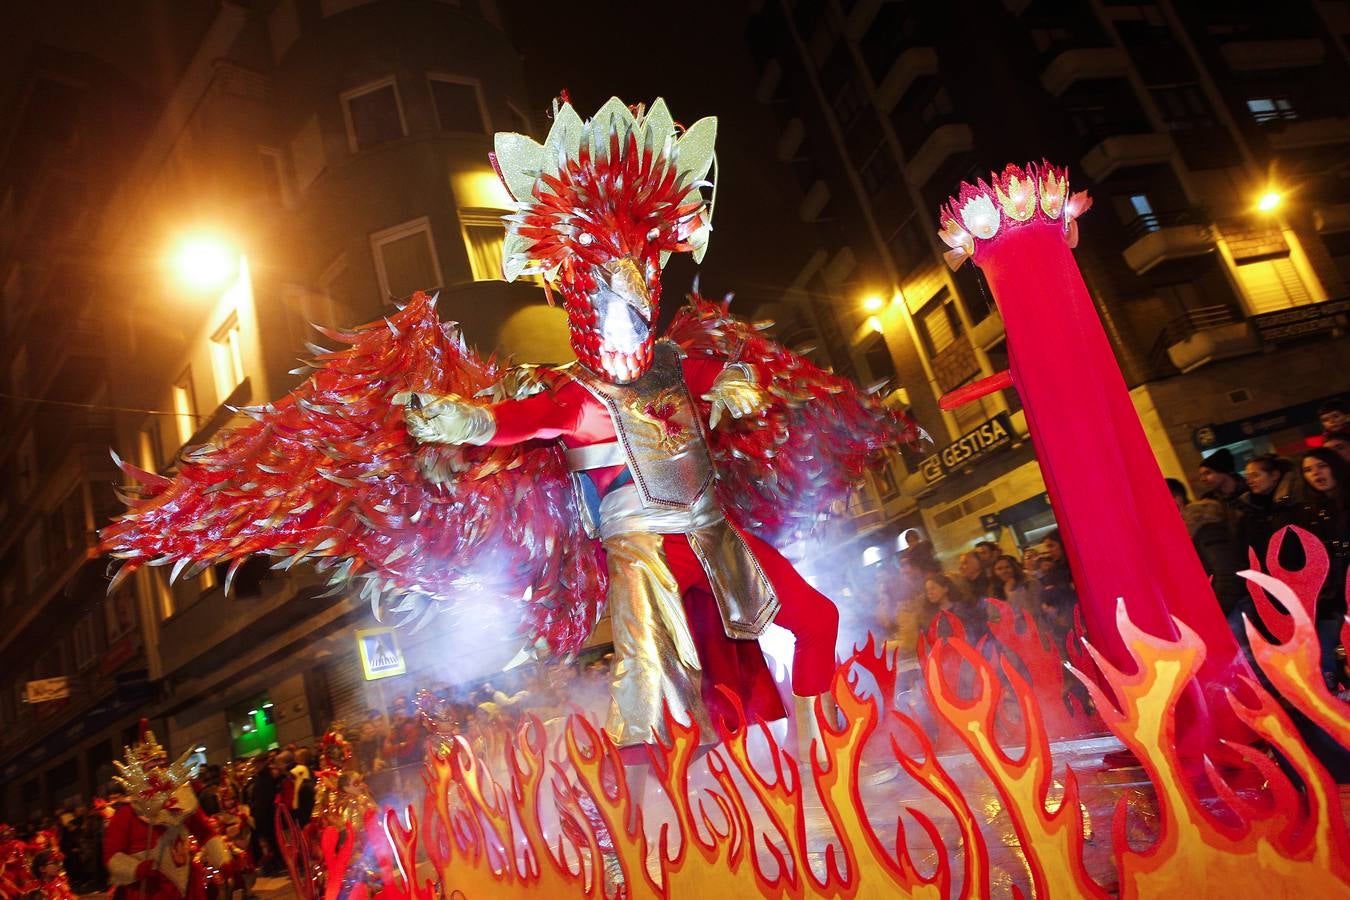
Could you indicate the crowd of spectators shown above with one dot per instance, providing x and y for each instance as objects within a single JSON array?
[{"x": 915, "y": 589}]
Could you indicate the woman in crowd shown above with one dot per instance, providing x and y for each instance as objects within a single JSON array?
[
  {"x": 1012, "y": 585},
  {"x": 943, "y": 595},
  {"x": 1324, "y": 510},
  {"x": 1266, "y": 505}
]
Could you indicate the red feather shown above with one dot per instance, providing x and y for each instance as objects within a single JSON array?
[
  {"x": 780, "y": 471},
  {"x": 330, "y": 473}
]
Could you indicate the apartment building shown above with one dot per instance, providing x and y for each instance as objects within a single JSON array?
[{"x": 1218, "y": 250}]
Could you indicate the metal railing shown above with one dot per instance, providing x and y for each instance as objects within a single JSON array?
[{"x": 1146, "y": 223}]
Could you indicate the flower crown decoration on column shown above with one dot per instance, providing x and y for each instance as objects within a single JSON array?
[
  {"x": 626, "y": 182},
  {"x": 979, "y": 212}
]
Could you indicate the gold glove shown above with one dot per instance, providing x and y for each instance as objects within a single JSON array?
[
  {"x": 446, "y": 420},
  {"x": 735, "y": 393}
]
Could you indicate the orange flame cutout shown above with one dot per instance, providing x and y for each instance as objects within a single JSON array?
[{"x": 746, "y": 831}]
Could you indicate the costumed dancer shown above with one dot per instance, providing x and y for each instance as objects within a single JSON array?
[
  {"x": 234, "y": 822},
  {"x": 146, "y": 845},
  {"x": 48, "y": 865},
  {"x": 16, "y": 875},
  {"x": 649, "y": 475}
]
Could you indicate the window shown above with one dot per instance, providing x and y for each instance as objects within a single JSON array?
[
  {"x": 274, "y": 178},
  {"x": 484, "y": 234},
  {"x": 1137, "y": 214},
  {"x": 520, "y": 123},
  {"x": 848, "y": 103},
  {"x": 227, "y": 361},
  {"x": 1272, "y": 284},
  {"x": 879, "y": 170},
  {"x": 34, "y": 556},
  {"x": 120, "y": 609},
  {"x": 877, "y": 355},
  {"x": 1183, "y": 106},
  {"x": 86, "y": 641},
  {"x": 1271, "y": 109},
  {"x": 337, "y": 303},
  {"x": 374, "y": 115},
  {"x": 18, "y": 373},
  {"x": 939, "y": 323},
  {"x": 149, "y": 446},
  {"x": 459, "y": 104},
  {"x": 184, "y": 407},
  {"x": 405, "y": 259},
  {"x": 307, "y": 153},
  {"x": 25, "y": 464}
]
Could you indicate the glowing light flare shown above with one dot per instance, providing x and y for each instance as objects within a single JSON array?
[
  {"x": 1269, "y": 201},
  {"x": 205, "y": 262},
  {"x": 873, "y": 303},
  {"x": 874, "y": 324}
]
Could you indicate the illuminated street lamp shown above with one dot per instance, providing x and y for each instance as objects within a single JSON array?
[
  {"x": 873, "y": 303},
  {"x": 1270, "y": 201},
  {"x": 874, "y": 323},
  {"x": 205, "y": 262}
]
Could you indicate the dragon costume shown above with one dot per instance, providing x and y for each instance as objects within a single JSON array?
[{"x": 649, "y": 477}]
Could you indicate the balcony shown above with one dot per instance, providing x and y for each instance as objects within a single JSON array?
[
  {"x": 909, "y": 66},
  {"x": 1082, "y": 64},
  {"x": 1205, "y": 335},
  {"x": 1293, "y": 135},
  {"x": 1161, "y": 236},
  {"x": 1119, "y": 151},
  {"x": 945, "y": 142},
  {"x": 1249, "y": 56}
]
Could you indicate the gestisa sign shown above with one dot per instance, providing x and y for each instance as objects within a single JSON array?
[{"x": 993, "y": 434}]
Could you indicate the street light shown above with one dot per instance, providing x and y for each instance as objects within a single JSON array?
[
  {"x": 873, "y": 303},
  {"x": 874, "y": 323},
  {"x": 1270, "y": 201},
  {"x": 205, "y": 261}
]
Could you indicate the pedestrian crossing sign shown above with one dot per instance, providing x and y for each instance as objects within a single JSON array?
[{"x": 381, "y": 656}]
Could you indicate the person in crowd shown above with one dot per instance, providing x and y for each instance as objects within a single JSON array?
[
  {"x": 1220, "y": 551},
  {"x": 988, "y": 552},
  {"x": 1324, "y": 510},
  {"x": 975, "y": 579},
  {"x": 1218, "y": 473},
  {"x": 1031, "y": 563},
  {"x": 943, "y": 594},
  {"x": 1338, "y": 442},
  {"x": 1334, "y": 416},
  {"x": 1059, "y": 595},
  {"x": 1264, "y": 507},
  {"x": 1012, "y": 586},
  {"x": 302, "y": 795},
  {"x": 264, "y": 806},
  {"x": 369, "y": 740}
]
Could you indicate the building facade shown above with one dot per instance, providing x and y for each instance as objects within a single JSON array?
[
  {"x": 313, "y": 161},
  {"x": 1218, "y": 249}
]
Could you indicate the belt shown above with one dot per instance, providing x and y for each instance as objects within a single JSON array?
[
  {"x": 622, "y": 512},
  {"x": 596, "y": 456}
]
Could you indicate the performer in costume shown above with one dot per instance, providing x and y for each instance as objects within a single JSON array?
[
  {"x": 146, "y": 845},
  {"x": 424, "y": 475}
]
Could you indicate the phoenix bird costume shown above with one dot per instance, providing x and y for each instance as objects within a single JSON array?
[{"x": 649, "y": 476}]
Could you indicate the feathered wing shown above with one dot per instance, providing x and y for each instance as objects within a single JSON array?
[
  {"x": 780, "y": 471},
  {"x": 330, "y": 474}
]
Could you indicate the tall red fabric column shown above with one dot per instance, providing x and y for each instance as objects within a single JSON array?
[{"x": 1124, "y": 536}]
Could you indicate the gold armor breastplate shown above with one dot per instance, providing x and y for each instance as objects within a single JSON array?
[{"x": 659, "y": 428}]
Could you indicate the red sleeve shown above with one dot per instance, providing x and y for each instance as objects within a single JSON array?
[
  {"x": 545, "y": 416},
  {"x": 117, "y": 833},
  {"x": 700, "y": 371}
]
